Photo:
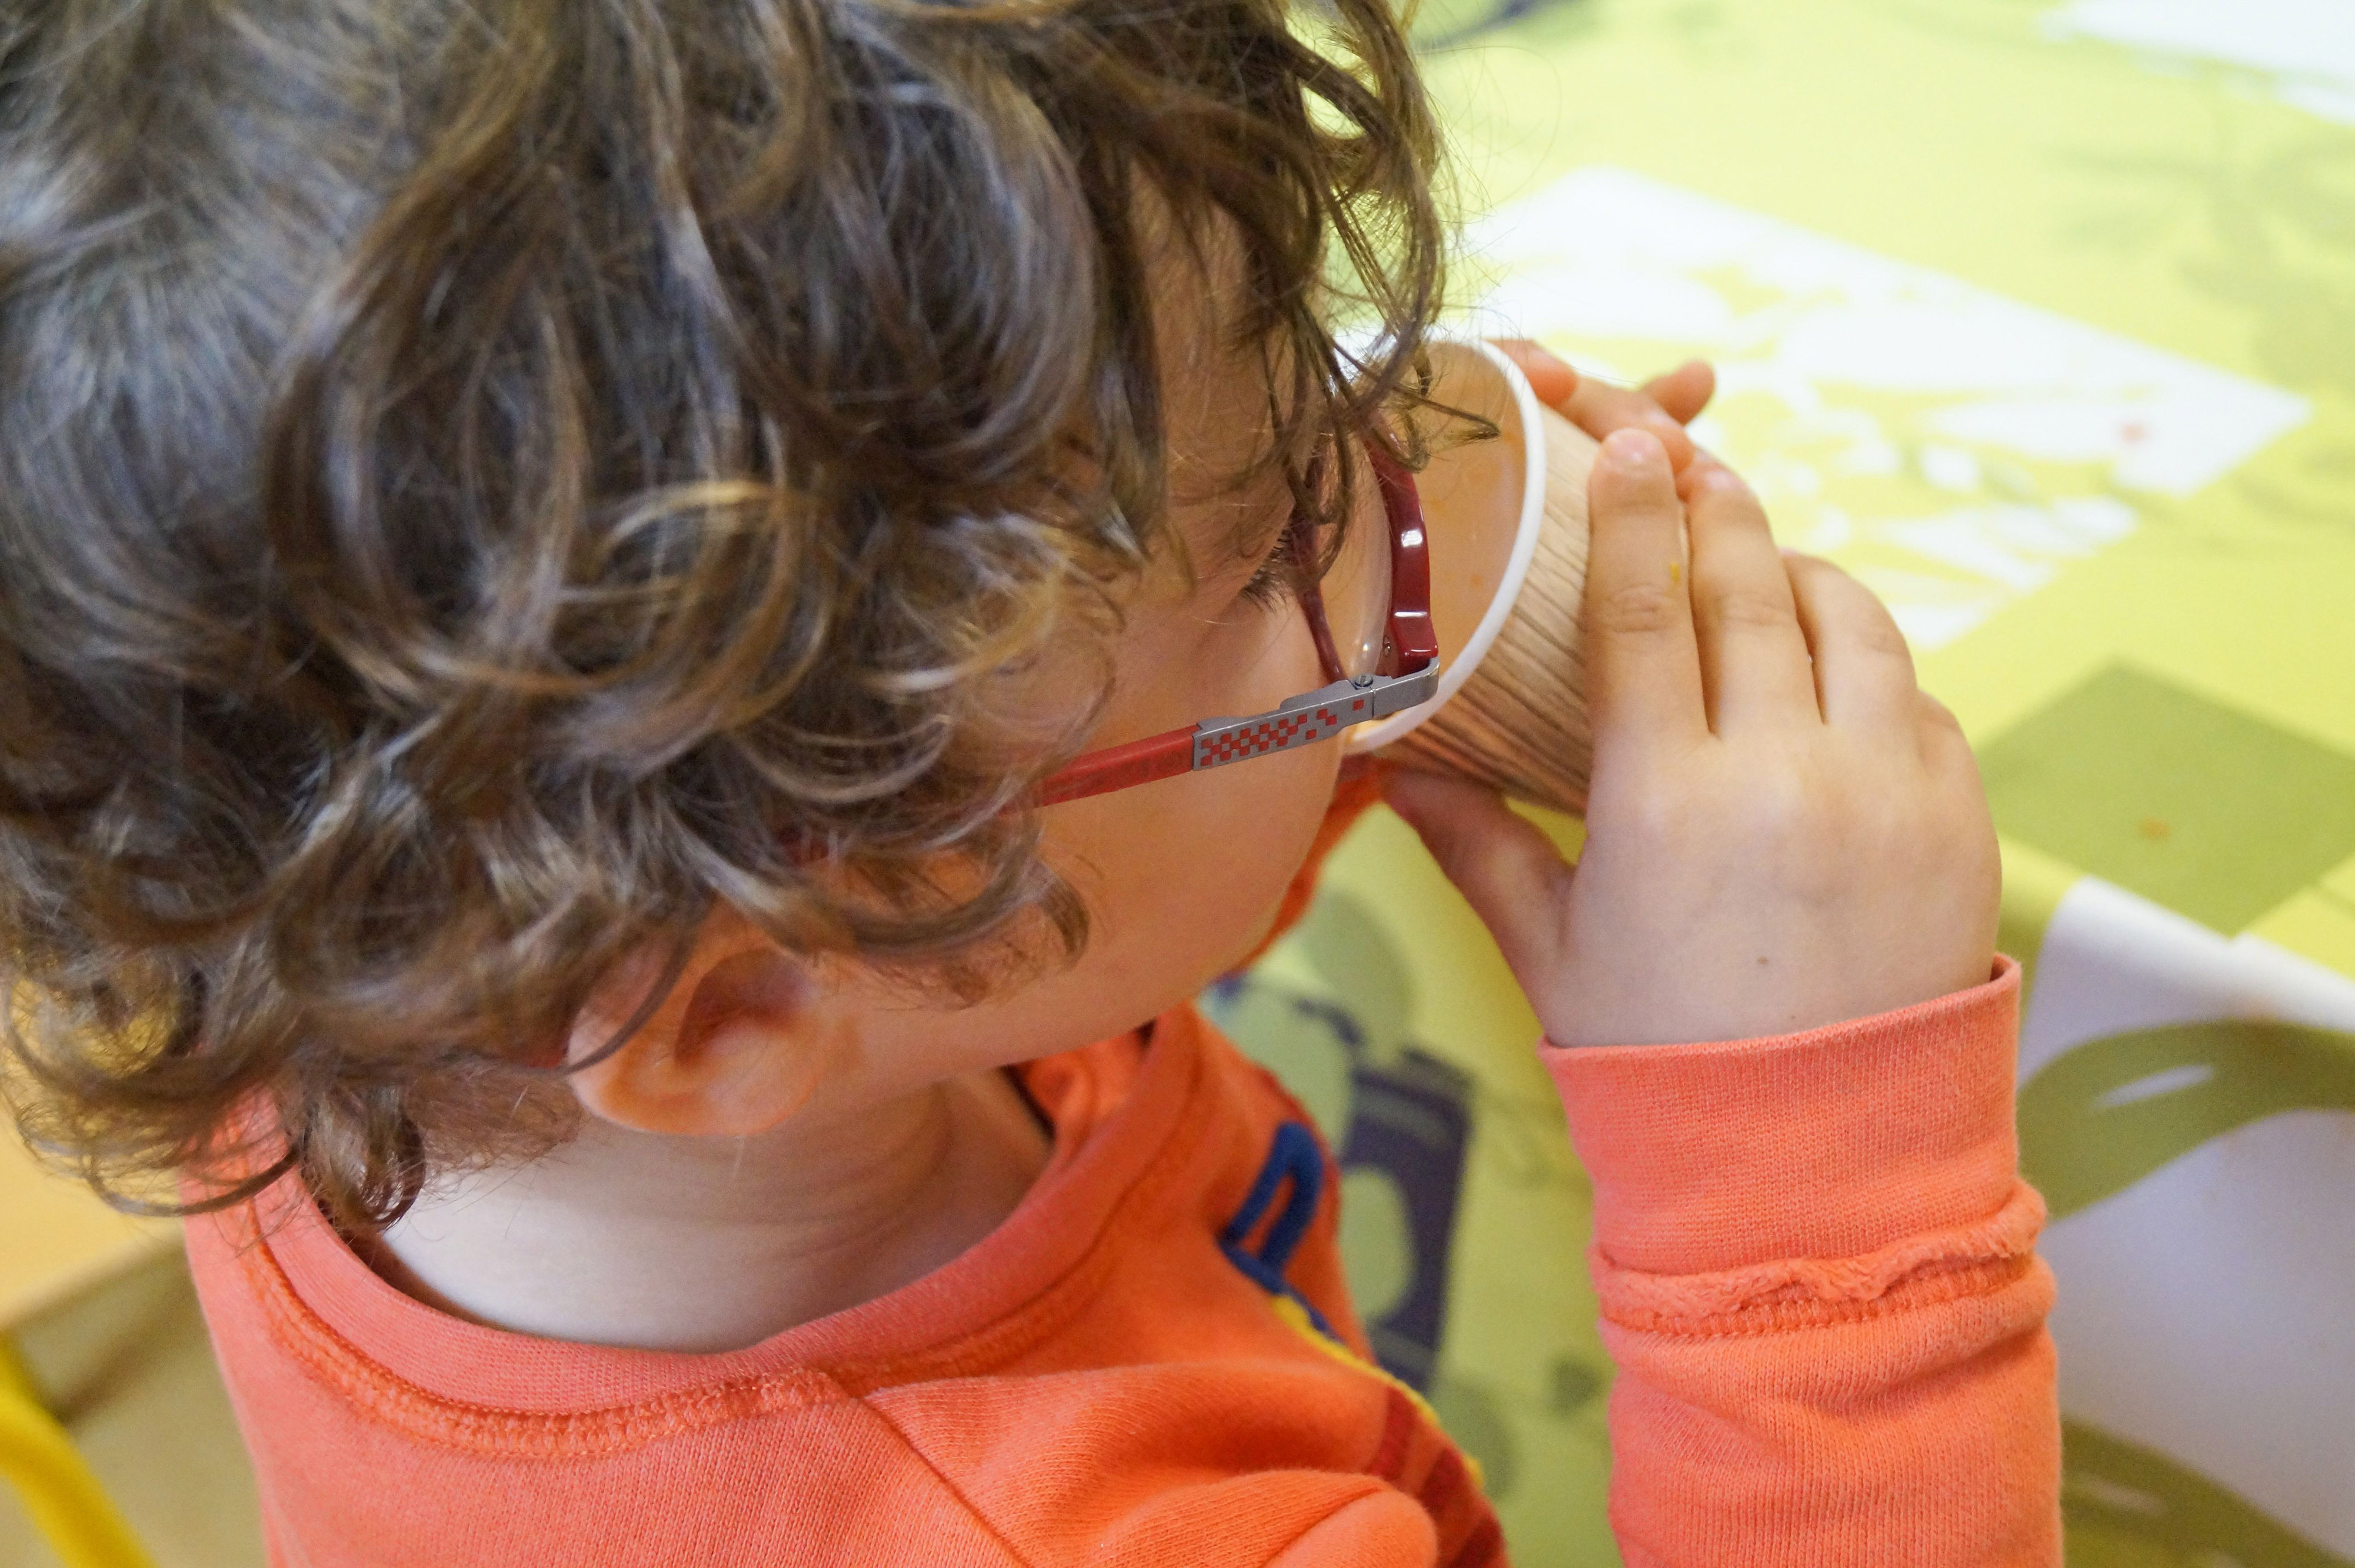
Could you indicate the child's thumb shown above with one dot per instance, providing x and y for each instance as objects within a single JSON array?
[{"x": 1508, "y": 871}]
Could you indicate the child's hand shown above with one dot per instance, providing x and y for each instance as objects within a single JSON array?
[
  {"x": 1663, "y": 405},
  {"x": 1769, "y": 845}
]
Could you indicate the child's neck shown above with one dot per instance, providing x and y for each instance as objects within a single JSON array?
[{"x": 692, "y": 1243}]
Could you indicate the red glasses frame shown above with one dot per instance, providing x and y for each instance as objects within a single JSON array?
[{"x": 1406, "y": 675}]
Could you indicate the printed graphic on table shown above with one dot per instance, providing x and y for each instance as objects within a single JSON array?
[
  {"x": 1954, "y": 449},
  {"x": 2187, "y": 1102},
  {"x": 2298, "y": 52}
]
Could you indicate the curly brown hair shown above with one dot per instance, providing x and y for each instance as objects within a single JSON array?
[{"x": 486, "y": 478}]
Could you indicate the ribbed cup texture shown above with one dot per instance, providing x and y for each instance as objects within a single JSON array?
[{"x": 1520, "y": 723}]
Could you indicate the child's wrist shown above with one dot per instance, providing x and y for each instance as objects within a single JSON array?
[{"x": 1828, "y": 1143}]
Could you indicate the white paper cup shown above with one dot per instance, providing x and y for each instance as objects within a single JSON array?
[{"x": 1508, "y": 526}]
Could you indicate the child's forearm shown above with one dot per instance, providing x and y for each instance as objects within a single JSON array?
[{"x": 1813, "y": 1256}]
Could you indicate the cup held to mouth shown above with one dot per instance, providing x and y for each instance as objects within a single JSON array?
[{"x": 1507, "y": 521}]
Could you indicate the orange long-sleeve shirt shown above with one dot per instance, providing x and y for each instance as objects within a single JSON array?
[
  {"x": 1813, "y": 1259},
  {"x": 1812, "y": 1252}
]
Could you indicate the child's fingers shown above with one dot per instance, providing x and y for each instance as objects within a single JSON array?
[
  {"x": 1662, "y": 405},
  {"x": 1509, "y": 873},
  {"x": 1753, "y": 654},
  {"x": 1644, "y": 663},
  {"x": 1598, "y": 408},
  {"x": 1864, "y": 671},
  {"x": 1684, "y": 392},
  {"x": 1551, "y": 376}
]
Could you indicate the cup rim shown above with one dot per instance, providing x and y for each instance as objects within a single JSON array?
[{"x": 1452, "y": 676}]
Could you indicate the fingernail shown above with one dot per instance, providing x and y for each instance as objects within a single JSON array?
[{"x": 1635, "y": 449}]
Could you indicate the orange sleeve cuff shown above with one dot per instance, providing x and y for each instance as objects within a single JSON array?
[
  {"x": 1815, "y": 1262},
  {"x": 1835, "y": 1143}
]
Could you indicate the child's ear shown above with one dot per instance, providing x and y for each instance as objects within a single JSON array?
[{"x": 740, "y": 1042}]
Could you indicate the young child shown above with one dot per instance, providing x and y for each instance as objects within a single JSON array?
[{"x": 548, "y": 550}]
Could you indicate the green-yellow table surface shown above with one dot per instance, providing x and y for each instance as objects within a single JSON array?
[{"x": 2039, "y": 316}]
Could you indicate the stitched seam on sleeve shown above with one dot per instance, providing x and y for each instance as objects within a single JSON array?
[
  {"x": 1969, "y": 1260},
  {"x": 1934, "y": 1287}
]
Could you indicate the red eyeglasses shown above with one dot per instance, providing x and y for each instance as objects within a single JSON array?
[{"x": 1398, "y": 667}]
